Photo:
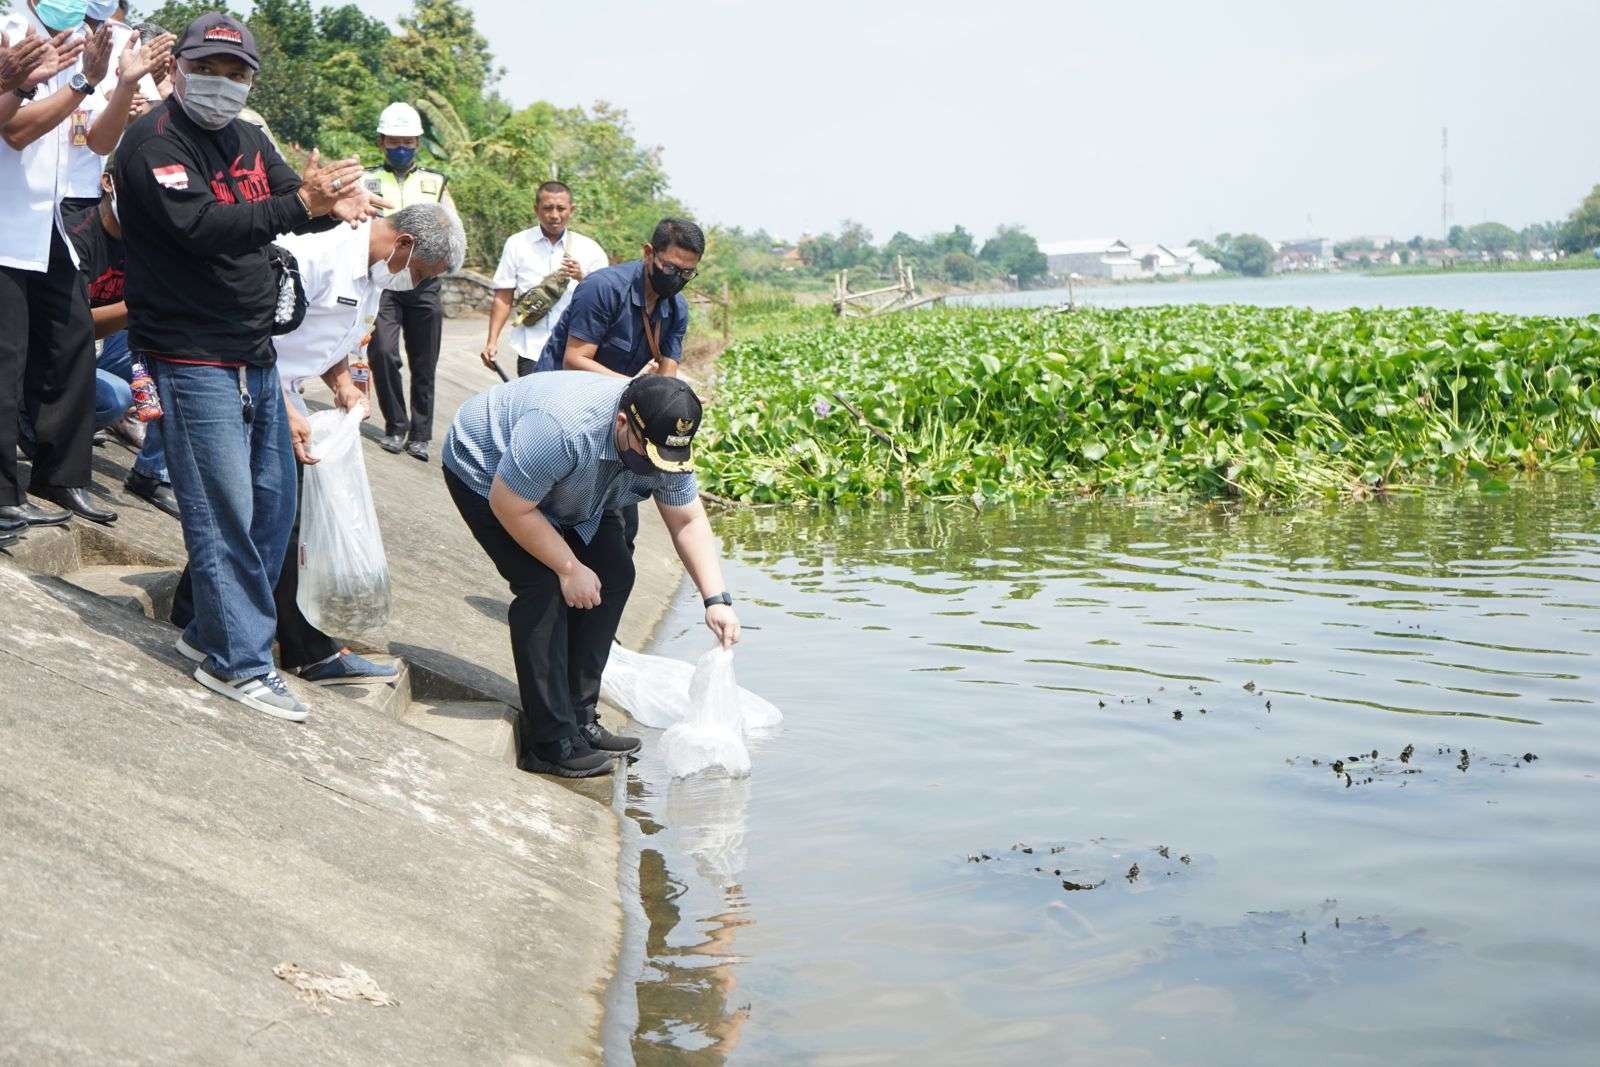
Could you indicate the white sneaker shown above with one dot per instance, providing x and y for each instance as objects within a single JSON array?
[
  {"x": 188, "y": 651},
  {"x": 266, "y": 694}
]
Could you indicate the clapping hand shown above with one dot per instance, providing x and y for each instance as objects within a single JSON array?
[
  {"x": 572, "y": 268},
  {"x": 19, "y": 60},
  {"x": 141, "y": 58},
  {"x": 61, "y": 51},
  {"x": 336, "y": 189},
  {"x": 97, "y": 55}
]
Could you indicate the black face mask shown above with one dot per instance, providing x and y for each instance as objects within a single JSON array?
[
  {"x": 637, "y": 462},
  {"x": 666, "y": 283}
]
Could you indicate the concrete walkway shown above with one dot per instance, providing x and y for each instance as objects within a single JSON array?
[{"x": 162, "y": 850}]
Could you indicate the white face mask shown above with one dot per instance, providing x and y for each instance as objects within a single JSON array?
[
  {"x": 394, "y": 281},
  {"x": 212, "y": 100}
]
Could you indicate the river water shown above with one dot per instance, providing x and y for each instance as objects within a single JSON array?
[
  {"x": 1094, "y": 782},
  {"x": 1558, "y": 292}
]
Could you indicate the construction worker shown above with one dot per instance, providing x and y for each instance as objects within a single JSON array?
[{"x": 415, "y": 313}]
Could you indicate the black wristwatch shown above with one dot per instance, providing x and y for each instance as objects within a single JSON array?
[
  {"x": 720, "y": 598},
  {"x": 79, "y": 84},
  {"x": 27, "y": 93}
]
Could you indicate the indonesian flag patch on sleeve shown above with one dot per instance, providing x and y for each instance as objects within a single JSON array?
[{"x": 173, "y": 177}]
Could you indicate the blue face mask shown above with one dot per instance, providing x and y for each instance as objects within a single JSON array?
[
  {"x": 100, "y": 10},
  {"x": 58, "y": 15},
  {"x": 400, "y": 158}
]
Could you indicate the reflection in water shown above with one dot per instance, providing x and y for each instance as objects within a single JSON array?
[
  {"x": 687, "y": 996},
  {"x": 1370, "y": 728}
]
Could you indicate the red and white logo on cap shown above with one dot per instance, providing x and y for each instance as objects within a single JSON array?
[{"x": 224, "y": 33}]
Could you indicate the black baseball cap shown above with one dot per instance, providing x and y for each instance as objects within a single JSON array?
[
  {"x": 216, "y": 34},
  {"x": 666, "y": 413}
]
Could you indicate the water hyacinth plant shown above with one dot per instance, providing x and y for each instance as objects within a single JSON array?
[{"x": 1258, "y": 403}]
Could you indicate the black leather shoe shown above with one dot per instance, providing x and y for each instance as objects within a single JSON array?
[
  {"x": 418, "y": 450},
  {"x": 393, "y": 443},
  {"x": 76, "y": 500},
  {"x": 18, "y": 516},
  {"x": 570, "y": 757},
  {"x": 8, "y": 539},
  {"x": 155, "y": 492},
  {"x": 602, "y": 740}
]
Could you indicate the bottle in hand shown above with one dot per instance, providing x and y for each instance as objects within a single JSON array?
[{"x": 146, "y": 401}]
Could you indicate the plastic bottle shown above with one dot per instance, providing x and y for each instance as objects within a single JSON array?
[{"x": 146, "y": 401}]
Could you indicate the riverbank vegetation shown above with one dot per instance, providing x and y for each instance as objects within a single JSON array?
[{"x": 1257, "y": 403}]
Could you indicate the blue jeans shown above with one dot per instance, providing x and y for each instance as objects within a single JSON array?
[
  {"x": 112, "y": 396},
  {"x": 117, "y": 361},
  {"x": 235, "y": 487}
]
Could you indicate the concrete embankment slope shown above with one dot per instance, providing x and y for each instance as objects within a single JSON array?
[{"x": 163, "y": 850}]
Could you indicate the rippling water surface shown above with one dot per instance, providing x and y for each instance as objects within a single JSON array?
[{"x": 1095, "y": 782}]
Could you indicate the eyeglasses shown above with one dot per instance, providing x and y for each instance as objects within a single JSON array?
[{"x": 686, "y": 273}]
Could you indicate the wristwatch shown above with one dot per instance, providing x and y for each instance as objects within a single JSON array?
[
  {"x": 79, "y": 84},
  {"x": 27, "y": 93},
  {"x": 720, "y": 598}
]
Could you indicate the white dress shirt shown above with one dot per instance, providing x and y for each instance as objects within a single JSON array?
[
  {"x": 84, "y": 164},
  {"x": 528, "y": 259},
  {"x": 33, "y": 180},
  {"x": 342, "y": 304}
]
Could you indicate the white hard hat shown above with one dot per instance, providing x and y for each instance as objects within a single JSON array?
[{"x": 399, "y": 120}]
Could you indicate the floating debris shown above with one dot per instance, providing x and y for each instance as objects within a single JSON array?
[{"x": 1406, "y": 753}]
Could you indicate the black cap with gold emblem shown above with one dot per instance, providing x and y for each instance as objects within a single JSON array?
[{"x": 666, "y": 413}]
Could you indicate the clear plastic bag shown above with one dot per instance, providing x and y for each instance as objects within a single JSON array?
[
  {"x": 712, "y": 735},
  {"x": 344, "y": 575},
  {"x": 655, "y": 691}
]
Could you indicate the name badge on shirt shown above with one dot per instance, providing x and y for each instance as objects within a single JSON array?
[
  {"x": 348, "y": 301},
  {"x": 80, "y": 129}
]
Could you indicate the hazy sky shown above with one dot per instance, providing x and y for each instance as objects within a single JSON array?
[{"x": 1155, "y": 120}]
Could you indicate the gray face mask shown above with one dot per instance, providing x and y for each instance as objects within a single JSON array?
[{"x": 211, "y": 100}]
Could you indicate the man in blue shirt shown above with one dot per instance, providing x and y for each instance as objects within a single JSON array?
[
  {"x": 538, "y": 468},
  {"x": 624, "y": 318},
  {"x": 629, "y": 319}
]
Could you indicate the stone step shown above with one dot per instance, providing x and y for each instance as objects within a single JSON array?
[
  {"x": 146, "y": 590},
  {"x": 48, "y": 550},
  {"x": 482, "y": 726}
]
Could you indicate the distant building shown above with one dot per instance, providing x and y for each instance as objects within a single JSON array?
[
  {"x": 1196, "y": 262},
  {"x": 1101, "y": 257},
  {"x": 1306, "y": 253},
  {"x": 1158, "y": 261}
]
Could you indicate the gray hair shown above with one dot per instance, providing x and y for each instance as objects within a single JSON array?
[{"x": 438, "y": 233}]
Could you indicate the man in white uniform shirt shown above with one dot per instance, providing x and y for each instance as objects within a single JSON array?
[
  {"x": 529, "y": 257},
  {"x": 345, "y": 271},
  {"x": 96, "y": 125},
  {"x": 47, "y": 343}
]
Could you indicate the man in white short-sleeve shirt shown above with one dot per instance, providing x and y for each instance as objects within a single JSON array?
[{"x": 530, "y": 256}]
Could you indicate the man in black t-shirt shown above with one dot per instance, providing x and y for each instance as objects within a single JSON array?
[
  {"x": 201, "y": 196},
  {"x": 96, "y": 236}
]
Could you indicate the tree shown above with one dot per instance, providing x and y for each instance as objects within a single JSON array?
[
  {"x": 1582, "y": 229},
  {"x": 1457, "y": 238},
  {"x": 960, "y": 267},
  {"x": 1245, "y": 253},
  {"x": 1014, "y": 251},
  {"x": 1495, "y": 238},
  {"x": 176, "y": 14},
  {"x": 440, "y": 49},
  {"x": 850, "y": 248}
]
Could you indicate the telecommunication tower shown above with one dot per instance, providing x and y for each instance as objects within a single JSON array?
[{"x": 1444, "y": 183}]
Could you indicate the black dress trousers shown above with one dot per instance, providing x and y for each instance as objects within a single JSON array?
[
  {"x": 46, "y": 373},
  {"x": 418, "y": 316},
  {"x": 560, "y": 652}
]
